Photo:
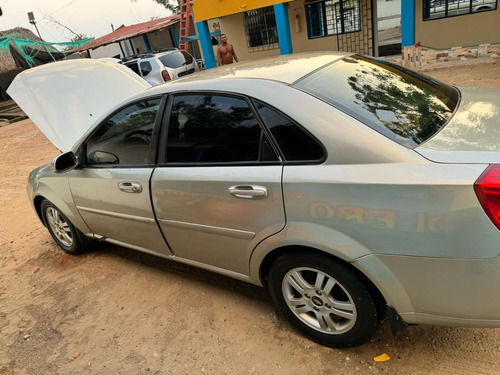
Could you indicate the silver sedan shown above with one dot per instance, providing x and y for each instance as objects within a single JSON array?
[{"x": 352, "y": 188}]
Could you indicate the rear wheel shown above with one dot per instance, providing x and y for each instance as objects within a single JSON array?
[
  {"x": 69, "y": 238},
  {"x": 323, "y": 299}
]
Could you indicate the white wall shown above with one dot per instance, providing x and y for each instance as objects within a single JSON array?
[
  {"x": 387, "y": 8},
  {"x": 110, "y": 50}
]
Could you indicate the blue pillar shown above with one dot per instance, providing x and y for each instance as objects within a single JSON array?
[
  {"x": 206, "y": 44},
  {"x": 132, "y": 46},
  {"x": 176, "y": 35},
  {"x": 283, "y": 26},
  {"x": 407, "y": 23},
  {"x": 146, "y": 41}
]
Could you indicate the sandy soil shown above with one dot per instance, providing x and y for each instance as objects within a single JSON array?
[{"x": 114, "y": 311}]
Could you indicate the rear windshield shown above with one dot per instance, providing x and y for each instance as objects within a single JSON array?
[
  {"x": 176, "y": 59},
  {"x": 401, "y": 104}
]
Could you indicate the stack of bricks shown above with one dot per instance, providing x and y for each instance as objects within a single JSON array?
[{"x": 421, "y": 57}]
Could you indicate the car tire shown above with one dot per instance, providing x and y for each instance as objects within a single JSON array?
[
  {"x": 66, "y": 235},
  {"x": 323, "y": 299}
]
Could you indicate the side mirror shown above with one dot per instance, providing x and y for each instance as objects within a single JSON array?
[
  {"x": 103, "y": 157},
  {"x": 65, "y": 162}
]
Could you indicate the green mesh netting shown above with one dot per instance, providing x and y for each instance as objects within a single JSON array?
[{"x": 28, "y": 52}]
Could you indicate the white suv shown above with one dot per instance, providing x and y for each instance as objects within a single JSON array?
[{"x": 157, "y": 68}]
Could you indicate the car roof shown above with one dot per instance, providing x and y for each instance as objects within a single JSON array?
[
  {"x": 286, "y": 69},
  {"x": 158, "y": 54}
]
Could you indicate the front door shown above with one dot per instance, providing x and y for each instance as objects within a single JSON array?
[
  {"x": 112, "y": 191},
  {"x": 218, "y": 191}
]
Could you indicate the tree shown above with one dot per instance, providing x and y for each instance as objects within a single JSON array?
[
  {"x": 77, "y": 38},
  {"x": 172, "y": 5}
]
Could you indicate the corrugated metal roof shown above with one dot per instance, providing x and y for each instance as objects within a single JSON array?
[{"x": 126, "y": 32}]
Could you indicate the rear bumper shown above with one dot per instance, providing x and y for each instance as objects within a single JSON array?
[{"x": 437, "y": 291}]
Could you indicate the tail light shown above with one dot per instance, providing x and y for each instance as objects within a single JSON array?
[
  {"x": 165, "y": 75},
  {"x": 487, "y": 188}
]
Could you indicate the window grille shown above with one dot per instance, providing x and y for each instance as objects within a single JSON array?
[
  {"x": 260, "y": 28},
  {"x": 332, "y": 17}
]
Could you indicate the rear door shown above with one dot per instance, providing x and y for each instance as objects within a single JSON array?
[{"x": 217, "y": 192}]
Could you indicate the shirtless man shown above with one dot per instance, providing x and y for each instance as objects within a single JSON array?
[{"x": 225, "y": 52}]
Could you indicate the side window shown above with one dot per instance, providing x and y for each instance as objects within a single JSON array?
[
  {"x": 125, "y": 137},
  {"x": 133, "y": 66},
  {"x": 295, "y": 143},
  {"x": 208, "y": 128},
  {"x": 145, "y": 68}
]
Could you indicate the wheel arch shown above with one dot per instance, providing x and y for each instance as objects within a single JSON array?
[
  {"x": 37, "y": 204},
  {"x": 270, "y": 258},
  {"x": 61, "y": 202}
]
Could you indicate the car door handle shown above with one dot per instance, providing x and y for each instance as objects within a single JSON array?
[
  {"x": 130, "y": 187},
  {"x": 248, "y": 191}
]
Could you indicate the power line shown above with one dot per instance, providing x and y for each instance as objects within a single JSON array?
[
  {"x": 67, "y": 5},
  {"x": 46, "y": 32}
]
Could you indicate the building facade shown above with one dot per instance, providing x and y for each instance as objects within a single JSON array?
[{"x": 261, "y": 28}]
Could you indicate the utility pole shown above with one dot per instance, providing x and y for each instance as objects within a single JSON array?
[{"x": 31, "y": 18}]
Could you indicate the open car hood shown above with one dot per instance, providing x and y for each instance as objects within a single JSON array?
[{"x": 64, "y": 99}]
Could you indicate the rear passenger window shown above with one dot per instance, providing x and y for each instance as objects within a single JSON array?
[
  {"x": 295, "y": 143},
  {"x": 145, "y": 68},
  {"x": 206, "y": 128}
]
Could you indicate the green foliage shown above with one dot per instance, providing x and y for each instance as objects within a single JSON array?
[
  {"x": 171, "y": 5},
  {"x": 78, "y": 38}
]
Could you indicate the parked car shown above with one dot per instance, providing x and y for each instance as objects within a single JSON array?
[
  {"x": 161, "y": 67},
  {"x": 352, "y": 188}
]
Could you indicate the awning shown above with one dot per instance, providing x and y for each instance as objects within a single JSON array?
[{"x": 192, "y": 38}]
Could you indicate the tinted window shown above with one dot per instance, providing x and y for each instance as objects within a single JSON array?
[
  {"x": 215, "y": 129},
  {"x": 295, "y": 143},
  {"x": 176, "y": 59},
  {"x": 134, "y": 67},
  {"x": 403, "y": 105},
  {"x": 125, "y": 137},
  {"x": 145, "y": 68}
]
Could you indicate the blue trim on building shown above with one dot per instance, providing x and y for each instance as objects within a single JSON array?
[
  {"x": 206, "y": 44},
  {"x": 132, "y": 46},
  {"x": 176, "y": 35},
  {"x": 146, "y": 42},
  {"x": 407, "y": 23},
  {"x": 283, "y": 26}
]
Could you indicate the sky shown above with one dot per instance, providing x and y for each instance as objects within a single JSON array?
[{"x": 90, "y": 17}]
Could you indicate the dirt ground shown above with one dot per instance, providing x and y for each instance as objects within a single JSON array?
[{"x": 114, "y": 311}]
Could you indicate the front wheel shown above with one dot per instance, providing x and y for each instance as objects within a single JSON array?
[
  {"x": 323, "y": 299},
  {"x": 69, "y": 238}
]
